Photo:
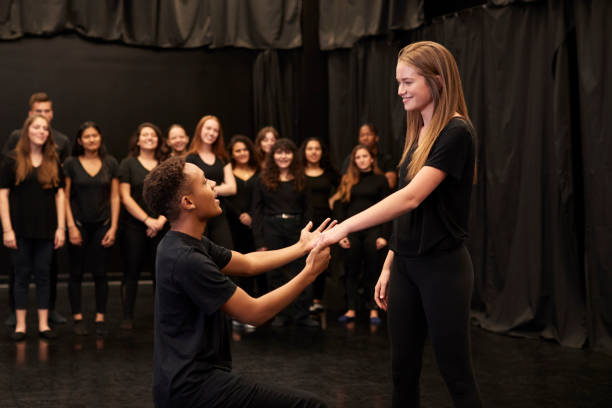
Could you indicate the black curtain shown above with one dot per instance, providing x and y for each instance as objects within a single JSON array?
[
  {"x": 254, "y": 24},
  {"x": 514, "y": 66},
  {"x": 594, "y": 49}
]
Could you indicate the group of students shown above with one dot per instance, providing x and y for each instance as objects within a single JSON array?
[{"x": 268, "y": 189}]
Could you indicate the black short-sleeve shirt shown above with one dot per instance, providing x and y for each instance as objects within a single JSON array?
[
  {"x": 32, "y": 207},
  {"x": 90, "y": 195},
  {"x": 318, "y": 191},
  {"x": 191, "y": 334},
  {"x": 440, "y": 223},
  {"x": 131, "y": 171}
]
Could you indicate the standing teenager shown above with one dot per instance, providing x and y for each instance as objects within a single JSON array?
[
  {"x": 265, "y": 139},
  {"x": 427, "y": 278},
  {"x": 33, "y": 217}
]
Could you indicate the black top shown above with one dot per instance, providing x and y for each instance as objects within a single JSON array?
[
  {"x": 90, "y": 196},
  {"x": 131, "y": 171},
  {"x": 241, "y": 201},
  {"x": 383, "y": 160},
  {"x": 212, "y": 172},
  {"x": 440, "y": 223},
  {"x": 191, "y": 334},
  {"x": 284, "y": 200},
  {"x": 318, "y": 191},
  {"x": 62, "y": 142},
  {"x": 370, "y": 189},
  {"x": 32, "y": 208}
]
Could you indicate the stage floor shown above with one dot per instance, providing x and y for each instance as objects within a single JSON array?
[{"x": 347, "y": 367}]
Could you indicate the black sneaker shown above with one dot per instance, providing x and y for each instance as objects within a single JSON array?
[
  {"x": 56, "y": 318},
  {"x": 47, "y": 334},
  {"x": 101, "y": 329},
  {"x": 79, "y": 328}
]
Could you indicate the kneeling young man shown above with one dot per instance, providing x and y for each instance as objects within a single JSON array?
[{"x": 193, "y": 295}]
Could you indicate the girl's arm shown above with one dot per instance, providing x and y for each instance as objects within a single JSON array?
[
  {"x": 74, "y": 235},
  {"x": 8, "y": 235},
  {"x": 398, "y": 203},
  {"x": 133, "y": 208},
  {"x": 228, "y": 187},
  {"x": 115, "y": 206},
  {"x": 60, "y": 207}
]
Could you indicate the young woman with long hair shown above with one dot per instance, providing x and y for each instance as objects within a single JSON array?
[
  {"x": 279, "y": 202},
  {"x": 32, "y": 211},
  {"x": 207, "y": 151},
  {"x": 321, "y": 182},
  {"x": 265, "y": 139},
  {"x": 141, "y": 228},
  {"x": 427, "y": 278},
  {"x": 92, "y": 217},
  {"x": 363, "y": 185},
  {"x": 177, "y": 140}
]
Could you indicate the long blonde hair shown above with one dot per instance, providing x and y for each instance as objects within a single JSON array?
[
  {"x": 48, "y": 176},
  {"x": 434, "y": 62},
  {"x": 353, "y": 175}
]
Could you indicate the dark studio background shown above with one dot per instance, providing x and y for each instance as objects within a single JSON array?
[{"x": 533, "y": 73}]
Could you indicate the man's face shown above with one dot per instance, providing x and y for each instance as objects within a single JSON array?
[
  {"x": 42, "y": 108},
  {"x": 202, "y": 195},
  {"x": 367, "y": 137}
]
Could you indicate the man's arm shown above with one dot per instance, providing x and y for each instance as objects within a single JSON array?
[
  {"x": 256, "y": 311},
  {"x": 255, "y": 263}
]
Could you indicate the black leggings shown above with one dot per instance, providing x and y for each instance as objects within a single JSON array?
[
  {"x": 138, "y": 252},
  {"x": 90, "y": 255},
  {"x": 431, "y": 295},
  {"x": 33, "y": 257},
  {"x": 362, "y": 251}
]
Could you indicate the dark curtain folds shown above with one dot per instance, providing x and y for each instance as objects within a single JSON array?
[
  {"x": 513, "y": 64},
  {"x": 255, "y": 24},
  {"x": 594, "y": 49},
  {"x": 342, "y": 23}
]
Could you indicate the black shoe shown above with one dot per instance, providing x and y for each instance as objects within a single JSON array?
[
  {"x": 11, "y": 320},
  {"x": 307, "y": 322},
  {"x": 79, "y": 328},
  {"x": 47, "y": 334},
  {"x": 18, "y": 336},
  {"x": 126, "y": 324},
  {"x": 101, "y": 329},
  {"x": 279, "y": 321},
  {"x": 56, "y": 318}
]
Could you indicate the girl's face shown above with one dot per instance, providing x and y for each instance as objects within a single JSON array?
[
  {"x": 412, "y": 88},
  {"x": 177, "y": 139},
  {"x": 210, "y": 131},
  {"x": 283, "y": 158},
  {"x": 363, "y": 160},
  {"x": 240, "y": 153},
  {"x": 147, "y": 139},
  {"x": 38, "y": 132},
  {"x": 267, "y": 142},
  {"x": 313, "y": 152},
  {"x": 90, "y": 139}
]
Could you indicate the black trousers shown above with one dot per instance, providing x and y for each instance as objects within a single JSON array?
[
  {"x": 138, "y": 252},
  {"x": 431, "y": 295},
  {"x": 362, "y": 253},
  {"x": 33, "y": 257},
  {"x": 242, "y": 236},
  {"x": 223, "y": 389},
  {"x": 91, "y": 256},
  {"x": 280, "y": 233}
]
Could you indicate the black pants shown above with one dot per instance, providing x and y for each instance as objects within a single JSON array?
[
  {"x": 242, "y": 237},
  {"x": 138, "y": 252},
  {"x": 33, "y": 256},
  {"x": 361, "y": 253},
  {"x": 223, "y": 389},
  {"x": 431, "y": 295},
  {"x": 92, "y": 256},
  {"x": 280, "y": 233}
]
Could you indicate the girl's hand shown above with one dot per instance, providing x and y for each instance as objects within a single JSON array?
[
  {"x": 380, "y": 243},
  {"x": 74, "y": 236},
  {"x": 60, "y": 238},
  {"x": 345, "y": 243},
  {"x": 9, "y": 239},
  {"x": 109, "y": 238},
  {"x": 246, "y": 219},
  {"x": 381, "y": 291}
]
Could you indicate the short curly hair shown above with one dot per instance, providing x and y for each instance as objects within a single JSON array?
[{"x": 164, "y": 186}]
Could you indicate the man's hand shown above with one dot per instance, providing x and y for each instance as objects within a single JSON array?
[{"x": 309, "y": 239}]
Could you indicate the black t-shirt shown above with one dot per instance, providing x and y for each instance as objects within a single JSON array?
[
  {"x": 284, "y": 200},
  {"x": 90, "y": 196},
  {"x": 440, "y": 223},
  {"x": 32, "y": 207},
  {"x": 212, "y": 172},
  {"x": 131, "y": 171},
  {"x": 61, "y": 141},
  {"x": 191, "y": 334},
  {"x": 318, "y": 191}
]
